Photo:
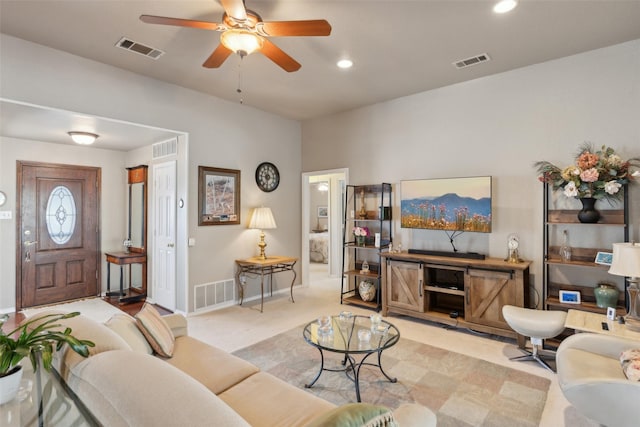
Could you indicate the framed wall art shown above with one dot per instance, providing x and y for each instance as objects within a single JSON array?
[
  {"x": 323, "y": 212},
  {"x": 218, "y": 196}
]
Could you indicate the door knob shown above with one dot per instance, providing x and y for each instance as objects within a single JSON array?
[
  {"x": 170, "y": 245},
  {"x": 29, "y": 242}
]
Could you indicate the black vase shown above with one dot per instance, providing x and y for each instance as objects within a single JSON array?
[{"x": 588, "y": 214}]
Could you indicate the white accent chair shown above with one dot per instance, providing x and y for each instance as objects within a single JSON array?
[
  {"x": 536, "y": 324},
  {"x": 591, "y": 378}
]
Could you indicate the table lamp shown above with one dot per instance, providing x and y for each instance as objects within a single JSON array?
[
  {"x": 626, "y": 262},
  {"x": 262, "y": 219}
]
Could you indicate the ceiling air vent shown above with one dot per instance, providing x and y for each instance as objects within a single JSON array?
[
  {"x": 474, "y": 60},
  {"x": 139, "y": 48}
]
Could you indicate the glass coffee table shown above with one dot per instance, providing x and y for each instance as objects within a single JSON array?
[
  {"x": 44, "y": 400},
  {"x": 353, "y": 336}
]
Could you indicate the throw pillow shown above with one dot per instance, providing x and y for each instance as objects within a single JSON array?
[
  {"x": 356, "y": 415},
  {"x": 155, "y": 330},
  {"x": 630, "y": 360},
  {"x": 126, "y": 326}
]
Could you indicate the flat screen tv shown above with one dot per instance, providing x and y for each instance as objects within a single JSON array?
[{"x": 450, "y": 204}]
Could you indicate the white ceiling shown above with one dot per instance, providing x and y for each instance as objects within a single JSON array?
[{"x": 398, "y": 47}]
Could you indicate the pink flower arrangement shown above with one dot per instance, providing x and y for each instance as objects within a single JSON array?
[
  {"x": 595, "y": 174},
  {"x": 360, "y": 231}
]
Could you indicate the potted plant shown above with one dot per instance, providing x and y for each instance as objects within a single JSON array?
[{"x": 35, "y": 339}]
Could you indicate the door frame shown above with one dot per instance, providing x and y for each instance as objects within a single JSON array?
[
  {"x": 335, "y": 221},
  {"x": 19, "y": 167}
]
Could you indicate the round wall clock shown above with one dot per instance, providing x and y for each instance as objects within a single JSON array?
[{"x": 267, "y": 176}]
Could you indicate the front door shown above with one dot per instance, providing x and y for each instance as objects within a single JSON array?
[{"x": 58, "y": 224}]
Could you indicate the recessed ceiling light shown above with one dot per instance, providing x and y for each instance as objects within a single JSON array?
[
  {"x": 345, "y": 63},
  {"x": 505, "y": 6}
]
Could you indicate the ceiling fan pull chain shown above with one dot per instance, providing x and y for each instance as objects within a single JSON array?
[{"x": 239, "y": 89}]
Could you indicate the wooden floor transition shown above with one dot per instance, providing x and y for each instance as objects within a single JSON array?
[{"x": 130, "y": 308}]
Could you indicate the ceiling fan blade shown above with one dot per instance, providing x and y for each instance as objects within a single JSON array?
[
  {"x": 150, "y": 19},
  {"x": 278, "y": 56},
  {"x": 217, "y": 57},
  {"x": 235, "y": 9},
  {"x": 317, "y": 27}
]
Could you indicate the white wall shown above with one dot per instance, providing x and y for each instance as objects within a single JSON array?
[
  {"x": 221, "y": 134},
  {"x": 498, "y": 125}
]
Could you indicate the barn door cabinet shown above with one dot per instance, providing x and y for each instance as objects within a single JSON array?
[{"x": 459, "y": 292}]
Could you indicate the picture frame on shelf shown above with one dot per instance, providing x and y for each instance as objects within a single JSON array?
[
  {"x": 218, "y": 196},
  {"x": 570, "y": 297},
  {"x": 611, "y": 313},
  {"x": 323, "y": 212},
  {"x": 604, "y": 258}
]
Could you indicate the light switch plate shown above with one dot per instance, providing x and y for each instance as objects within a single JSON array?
[{"x": 5, "y": 215}]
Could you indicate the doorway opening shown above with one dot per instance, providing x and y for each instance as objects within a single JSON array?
[{"x": 322, "y": 213}]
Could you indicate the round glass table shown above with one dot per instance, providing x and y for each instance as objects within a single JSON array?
[{"x": 357, "y": 337}]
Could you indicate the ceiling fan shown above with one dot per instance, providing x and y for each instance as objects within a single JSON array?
[{"x": 244, "y": 32}]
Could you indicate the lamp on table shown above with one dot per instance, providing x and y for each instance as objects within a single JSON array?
[
  {"x": 262, "y": 219},
  {"x": 626, "y": 262}
]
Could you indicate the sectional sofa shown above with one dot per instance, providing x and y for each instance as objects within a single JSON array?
[{"x": 126, "y": 382}]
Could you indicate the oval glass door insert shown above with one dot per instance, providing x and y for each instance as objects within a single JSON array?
[{"x": 61, "y": 215}]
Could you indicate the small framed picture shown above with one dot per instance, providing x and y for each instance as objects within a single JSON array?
[
  {"x": 570, "y": 297},
  {"x": 323, "y": 212},
  {"x": 611, "y": 313},
  {"x": 604, "y": 258}
]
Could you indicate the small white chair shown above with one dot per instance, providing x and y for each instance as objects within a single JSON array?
[{"x": 536, "y": 324}]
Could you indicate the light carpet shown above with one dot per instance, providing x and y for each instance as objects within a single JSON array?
[
  {"x": 93, "y": 308},
  {"x": 461, "y": 390}
]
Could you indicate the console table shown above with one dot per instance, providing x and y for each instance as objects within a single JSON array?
[
  {"x": 122, "y": 259},
  {"x": 262, "y": 267},
  {"x": 455, "y": 291}
]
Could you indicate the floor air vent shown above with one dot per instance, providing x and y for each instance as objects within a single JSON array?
[
  {"x": 215, "y": 294},
  {"x": 474, "y": 60},
  {"x": 139, "y": 48},
  {"x": 164, "y": 149}
]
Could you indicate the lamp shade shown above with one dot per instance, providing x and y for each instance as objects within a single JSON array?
[
  {"x": 262, "y": 219},
  {"x": 626, "y": 260}
]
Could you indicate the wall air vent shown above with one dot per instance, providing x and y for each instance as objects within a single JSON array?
[
  {"x": 148, "y": 51},
  {"x": 166, "y": 148},
  {"x": 474, "y": 60}
]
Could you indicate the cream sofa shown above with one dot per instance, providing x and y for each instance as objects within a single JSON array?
[
  {"x": 592, "y": 379},
  {"x": 123, "y": 384}
]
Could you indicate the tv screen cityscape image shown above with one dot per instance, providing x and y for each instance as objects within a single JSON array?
[{"x": 452, "y": 204}]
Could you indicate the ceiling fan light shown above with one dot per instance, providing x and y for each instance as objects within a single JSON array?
[
  {"x": 241, "y": 41},
  {"x": 83, "y": 138}
]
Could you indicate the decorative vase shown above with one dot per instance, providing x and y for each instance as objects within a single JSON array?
[
  {"x": 9, "y": 385},
  {"x": 588, "y": 214},
  {"x": 360, "y": 240},
  {"x": 606, "y": 295},
  {"x": 367, "y": 290}
]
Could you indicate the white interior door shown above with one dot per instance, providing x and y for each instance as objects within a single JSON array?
[{"x": 164, "y": 253}]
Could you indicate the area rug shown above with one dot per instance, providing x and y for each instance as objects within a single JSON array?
[
  {"x": 94, "y": 308},
  {"x": 461, "y": 390}
]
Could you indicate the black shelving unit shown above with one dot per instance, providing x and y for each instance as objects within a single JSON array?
[
  {"x": 365, "y": 206},
  {"x": 612, "y": 222}
]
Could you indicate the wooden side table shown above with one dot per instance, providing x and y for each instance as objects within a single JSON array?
[
  {"x": 122, "y": 259},
  {"x": 585, "y": 321},
  {"x": 269, "y": 266}
]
